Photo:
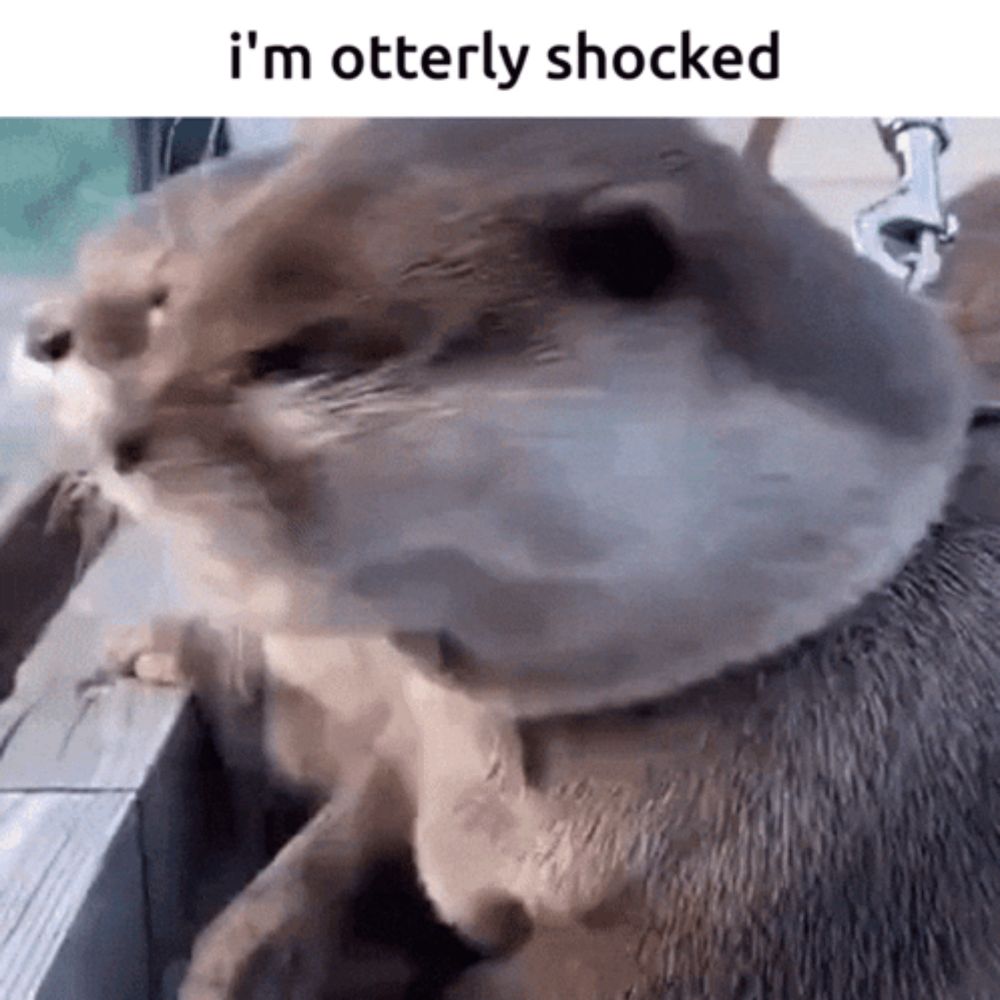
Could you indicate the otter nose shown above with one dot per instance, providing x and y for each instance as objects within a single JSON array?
[
  {"x": 48, "y": 331},
  {"x": 50, "y": 346},
  {"x": 129, "y": 451}
]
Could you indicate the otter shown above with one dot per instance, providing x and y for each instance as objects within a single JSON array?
[{"x": 665, "y": 509}]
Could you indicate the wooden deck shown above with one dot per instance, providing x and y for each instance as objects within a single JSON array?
[
  {"x": 92, "y": 838},
  {"x": 121, "y": 832},
  {"x": 111, "y": 856}
]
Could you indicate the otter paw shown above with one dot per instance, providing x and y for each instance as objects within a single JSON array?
[
  {"x": 247, "y": 954},
  {"x": 150, "y": 652},
  {"x": 250, "y": 955}
]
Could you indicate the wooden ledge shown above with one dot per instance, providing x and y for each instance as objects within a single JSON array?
[{"x": 92, "y": 838}]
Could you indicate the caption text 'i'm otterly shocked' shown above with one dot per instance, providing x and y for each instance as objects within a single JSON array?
[{"x": 398, "y": 58}]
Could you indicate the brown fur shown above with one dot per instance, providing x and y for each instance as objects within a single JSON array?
[
  {"x": 968, "y": 286},
  {"x": 826, "y": 821}
]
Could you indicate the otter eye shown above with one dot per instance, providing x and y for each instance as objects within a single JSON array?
[
  {"x": 330, "y": 347},
  {"x": 158, "y": 298},
  {"x": 624, "y": 253}
]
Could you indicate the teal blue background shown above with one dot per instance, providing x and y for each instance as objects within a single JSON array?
[{"x": 58, "y": 178}]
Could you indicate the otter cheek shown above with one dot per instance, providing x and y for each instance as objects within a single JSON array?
[{"x": 674, "y": 519}]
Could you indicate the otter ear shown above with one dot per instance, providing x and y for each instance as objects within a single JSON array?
[{"x": 621, "y": 248}]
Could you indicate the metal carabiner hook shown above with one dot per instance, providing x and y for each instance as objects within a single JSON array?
[{"x": 904, "y": 232}]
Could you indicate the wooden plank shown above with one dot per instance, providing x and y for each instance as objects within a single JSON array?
[
  {"x": 107, "y": 737},
  {"x": 174, "y": 803},
  {"x": 123, "y": 739},
  {"x": 197, "y": 829},
  {"x": 72, "y": 920}
]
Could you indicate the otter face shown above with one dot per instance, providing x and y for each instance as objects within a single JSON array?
[{"x": 587, "y": 397}]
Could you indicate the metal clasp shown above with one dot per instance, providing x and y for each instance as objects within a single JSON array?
[{"x": 904, "y": 232}]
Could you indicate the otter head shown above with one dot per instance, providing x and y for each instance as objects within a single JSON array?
[{"x": 590, "y": 399}]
